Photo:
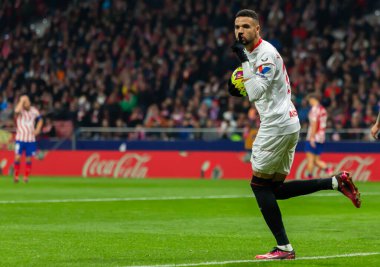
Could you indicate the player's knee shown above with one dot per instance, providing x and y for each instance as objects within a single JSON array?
[
  {"x": 279, "y": 191},
  {"x": 258, "y": 184}
]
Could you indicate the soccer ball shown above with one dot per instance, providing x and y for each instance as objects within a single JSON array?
[{"x": 237, "y": 81}]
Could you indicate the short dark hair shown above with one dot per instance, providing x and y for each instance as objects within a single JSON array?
[
  {"x": 314, "y": 95},
  {"x": 248, "y": 13}
]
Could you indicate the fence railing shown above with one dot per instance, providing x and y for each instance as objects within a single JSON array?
[
  {"x": 202, "y": 133},
  {"x": 174, "y": 134}
]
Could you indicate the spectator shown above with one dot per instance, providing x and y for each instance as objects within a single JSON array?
[{"x": 94, "y": 66}]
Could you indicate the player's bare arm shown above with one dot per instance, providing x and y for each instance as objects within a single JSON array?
[
  {"x": 20, "y": 104},
  {"x": 313, "y": 132},
  {"x": 376, "y": 128},
  {"x": 38, "y": 128}
]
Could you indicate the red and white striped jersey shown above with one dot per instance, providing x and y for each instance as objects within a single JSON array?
[
  {"x": 318, "y": 114},
  {"x": 25, "y": 122}
]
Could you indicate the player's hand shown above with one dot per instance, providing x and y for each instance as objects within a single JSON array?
[
  {"x": 232, "y": 90},
  {"x": 238, "y": 49},
  {"x": 36, "y": 132},
  {"x": 312, "y": 142},
  {"x": 374, "y": 131}
]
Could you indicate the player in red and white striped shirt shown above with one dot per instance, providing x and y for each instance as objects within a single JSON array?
[
  {"x": 316, "y": 136},
  {"x": 28, "y": 124}
]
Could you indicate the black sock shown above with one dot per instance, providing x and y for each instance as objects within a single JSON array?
[
  {"x": 266, "y": 200},
  {"x": 298, "y": 188}
]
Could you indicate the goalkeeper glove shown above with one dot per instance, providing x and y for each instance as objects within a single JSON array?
[
  {"x": 233, "y": 91},
  {"x": 238, "y": 49}
]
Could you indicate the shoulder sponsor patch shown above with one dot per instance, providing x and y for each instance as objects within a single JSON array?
[{"x": 264, "y": 70}]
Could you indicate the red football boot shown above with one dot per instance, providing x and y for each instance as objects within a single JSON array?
[
  {"x": 277, "y": 254},
  {"x": 347, "y": 188}
]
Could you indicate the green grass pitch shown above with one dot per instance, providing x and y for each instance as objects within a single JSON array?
[{"x": 132, "y": 222}]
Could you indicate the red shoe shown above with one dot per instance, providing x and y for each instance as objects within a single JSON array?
[
  {"x": 277, "y": 254},
  {"x": 347, "y": 188}
]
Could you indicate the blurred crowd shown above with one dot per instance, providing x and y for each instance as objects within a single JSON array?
[{"x": 165, "y": 63}]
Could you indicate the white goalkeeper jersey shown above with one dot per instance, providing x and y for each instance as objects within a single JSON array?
[{"x": 268, "y": 86}]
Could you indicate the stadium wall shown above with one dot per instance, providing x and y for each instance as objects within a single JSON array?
[{"x": 179, "y": 164}]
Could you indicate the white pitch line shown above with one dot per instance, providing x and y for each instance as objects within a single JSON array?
[
  {"x": 363, "y": 254},
  {"x": 156, "y": 198},
  {"x": 121, "y": 199}
]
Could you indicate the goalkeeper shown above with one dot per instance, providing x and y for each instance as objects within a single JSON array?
[{"x": 267, "y": 85}]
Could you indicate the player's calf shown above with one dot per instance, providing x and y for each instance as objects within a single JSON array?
[
  {"x": 28, "y": 169},
  {"x": 16, "y": 168}
]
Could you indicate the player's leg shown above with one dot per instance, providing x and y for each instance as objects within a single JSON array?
[
  {"x": 30, "y": 151},
  {"x": 265, "y": 157},
  {"x": 320, "y": 163},
  {"x": 28, "y": 168},
  {"x": 266, "y": 200},
  {"x": 16, "y": 165},
  {"x": 284, "y": 190},
  {"x": 310, "y": 165},
  {"x": 341, "y": 182},
  {"x": 323, "y": 165}
]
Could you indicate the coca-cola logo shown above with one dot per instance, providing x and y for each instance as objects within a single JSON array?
[
  {"x": 356, "y": 165},
  {"x": 129, "y": 165}
]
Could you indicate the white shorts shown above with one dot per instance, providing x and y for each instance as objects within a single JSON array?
[{"x": 273, "y": 154}]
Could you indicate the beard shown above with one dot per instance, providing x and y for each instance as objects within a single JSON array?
[{"x": 245, "y": 41}]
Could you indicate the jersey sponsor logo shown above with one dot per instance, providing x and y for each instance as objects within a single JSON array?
[
  {"x": 261, "y": 71},
  {"x": 261, "y": 75}
]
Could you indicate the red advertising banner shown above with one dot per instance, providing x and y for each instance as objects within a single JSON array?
[{"x": 173, "y": 164}]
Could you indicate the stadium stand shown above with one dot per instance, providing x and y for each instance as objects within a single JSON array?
[{"x": 165, "y": 63}]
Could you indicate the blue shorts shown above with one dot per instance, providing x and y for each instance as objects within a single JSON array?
[
  {"x": 317, "y": 150},
  {"x": 28, "y": 147}
]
